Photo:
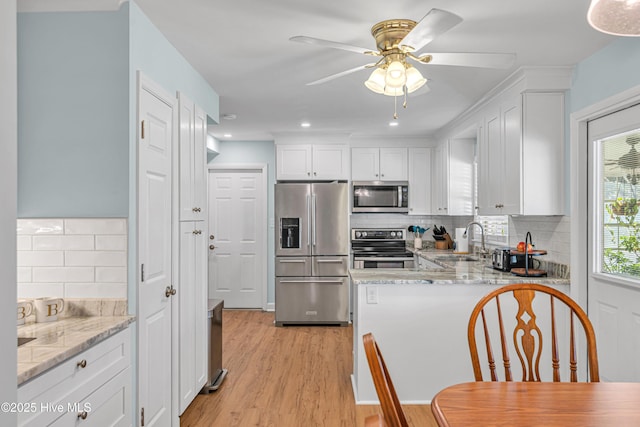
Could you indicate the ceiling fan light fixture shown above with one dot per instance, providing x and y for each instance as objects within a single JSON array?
[
  {"x": 616, "y": 17},
  {"x": 415, "y": 80},
  {"x": 396, "y": 75},
  {"x": 375, "y": 82}
]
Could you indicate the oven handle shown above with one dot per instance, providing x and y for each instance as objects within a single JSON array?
[
  {"x": 382, "y": 259},
  {"x": 312, "y": 281}
]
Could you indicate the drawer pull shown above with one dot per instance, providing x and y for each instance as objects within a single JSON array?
[
  {"x": 82, "y": 364},
  {"x": 83, "y": 415}
]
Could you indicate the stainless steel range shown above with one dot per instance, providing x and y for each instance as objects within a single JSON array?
[{"x": 380, "y": 248}]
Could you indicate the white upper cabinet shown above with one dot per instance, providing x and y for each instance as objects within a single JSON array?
[
  {"x": 379, "y": 164},
  {"x": 192, "y": 160},
  {"x": 420, "y": 181},
  {"x": 522, "y": 156},
  {"x": 306, "y": 162},
  {"x": 453, "y": 177}
]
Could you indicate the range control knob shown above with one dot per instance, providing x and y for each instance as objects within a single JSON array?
[
  {"x": 393, "y": 234},
  {"x": 364, "y": 234},
  {"x": 358, "y": 234}
]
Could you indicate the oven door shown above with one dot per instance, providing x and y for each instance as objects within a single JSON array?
[{"x": 382, "y": 262}]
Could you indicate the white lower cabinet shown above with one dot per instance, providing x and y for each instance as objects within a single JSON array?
[
  {"x": 192, "y": 294},
  {"x": 92, "y": 388}
]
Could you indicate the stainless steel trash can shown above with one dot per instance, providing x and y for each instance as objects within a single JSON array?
[{"x": 214, "y": 324}]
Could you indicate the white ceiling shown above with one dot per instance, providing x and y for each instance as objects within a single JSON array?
[{"x": 242, "y": 49}]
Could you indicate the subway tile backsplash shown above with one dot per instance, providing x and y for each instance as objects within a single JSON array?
[{"x": 72, "y": 257}]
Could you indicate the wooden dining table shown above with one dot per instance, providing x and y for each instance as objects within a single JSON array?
[{"x": 524, "y": 404}]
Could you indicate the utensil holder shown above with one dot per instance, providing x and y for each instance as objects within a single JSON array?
[{"x": 442, "y": 244}]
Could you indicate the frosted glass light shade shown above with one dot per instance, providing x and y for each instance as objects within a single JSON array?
[
  {"x": 414, "y": 79},
  {"x": 375, "y": 82},
  {"x": 396, "y": 76},
  {"x": 617, "y": 17}
]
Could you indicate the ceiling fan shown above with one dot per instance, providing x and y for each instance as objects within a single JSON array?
[
  {"x": 630, "y": 160},
  {"x": 398, "y": 41}
]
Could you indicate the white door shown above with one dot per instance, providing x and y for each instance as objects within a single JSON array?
[
  {"x": 237, "y": 237},
  {"x": 155, "y": 136},
  {"x": 614, "y": 243}
]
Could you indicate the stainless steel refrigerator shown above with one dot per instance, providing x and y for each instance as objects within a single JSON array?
[{"x": 312, "y": 253}]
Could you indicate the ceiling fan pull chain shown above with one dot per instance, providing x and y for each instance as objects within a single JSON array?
[
  {"x": 404, "y": 89},
  {"x": 395, "y": 107}
]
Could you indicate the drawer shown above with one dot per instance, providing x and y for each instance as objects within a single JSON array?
[
  {"x": 309, "y": 300},
  {"x": 293, "y": 266},
  {"x": 70, "y": 382},
  {"x": 330, "y": 266},
  {"x": 109, "y": 405}
]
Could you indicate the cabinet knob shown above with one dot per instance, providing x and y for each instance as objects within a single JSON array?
[
  {"x": 82, "y": 363},
  {"x": 83, "y": 415},
  {"x": 196, "y": 210},
  {"x": 376, "y": 175},
  {"x": 315, "y": 173},
  {"x": 197, "y": 231},
  {"x": 170, "y": 291},
  {"x": 382, "y": 175},
  {"x": 211, "y": 237},
  {"x": 308, "y": 173},
  {"x": 212, "y": 247}
]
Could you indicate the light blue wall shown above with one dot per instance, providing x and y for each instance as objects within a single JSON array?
[
  {"x": 257, "y": 152},
  {"x": 152, "y": 53},
  {"x": 609, "y": 71},
  {"x": 73, "y": 149}
]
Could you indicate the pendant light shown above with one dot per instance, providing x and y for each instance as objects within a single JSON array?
[{"x": 616, "y": 17}]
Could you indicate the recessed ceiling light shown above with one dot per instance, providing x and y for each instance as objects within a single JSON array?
[
  {"x": 227, "y": 135},
  {"x": 305, "y": 124},
  {"x": 393, "y": 123}
]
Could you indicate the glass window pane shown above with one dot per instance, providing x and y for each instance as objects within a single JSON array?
[{"x": 620, "y": 228}]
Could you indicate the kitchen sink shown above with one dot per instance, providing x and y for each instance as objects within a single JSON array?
[
  {"x": 24, "y": 340},
  {"x": 453, "y": 258}
]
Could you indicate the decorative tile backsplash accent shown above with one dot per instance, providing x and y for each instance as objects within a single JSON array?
[{"x": 72, "y": 257}]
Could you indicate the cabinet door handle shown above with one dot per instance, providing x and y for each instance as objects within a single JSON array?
[{"x": 82, "y": 363}]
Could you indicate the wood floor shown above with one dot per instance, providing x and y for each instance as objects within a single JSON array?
[{"x": 286, "y": 377}]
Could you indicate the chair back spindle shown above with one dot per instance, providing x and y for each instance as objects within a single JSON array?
[{"x": 527, "y": 336}]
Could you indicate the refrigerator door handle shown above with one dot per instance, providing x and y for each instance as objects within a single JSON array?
[
  {"x": 313, "y": 220},
  {"x": 308, "y": 220}
]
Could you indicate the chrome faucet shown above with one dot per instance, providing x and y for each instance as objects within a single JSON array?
[{"x": 483, "y": 250}]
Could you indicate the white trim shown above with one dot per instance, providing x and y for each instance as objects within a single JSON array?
[
  {"x": 69, "y": 5},
  {"x": 263, "y": 169},
  {"x": 579, "y": 184}
]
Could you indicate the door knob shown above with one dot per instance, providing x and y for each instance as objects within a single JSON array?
[
  {"x": 212, "y": 247},
  {"x": 169, "y": 291}
]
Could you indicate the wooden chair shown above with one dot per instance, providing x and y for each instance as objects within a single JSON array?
[
  {"x": 392, "y": 414},
  {"x": 528, "y": 335}
]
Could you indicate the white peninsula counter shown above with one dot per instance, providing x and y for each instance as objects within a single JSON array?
[{"x": 419, "y": 318}]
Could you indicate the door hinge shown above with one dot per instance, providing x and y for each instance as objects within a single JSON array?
[
  {"x": 142, "y": 130},
  {"x": 142, "y": 417},
  {"x": 142, "y": 272}
]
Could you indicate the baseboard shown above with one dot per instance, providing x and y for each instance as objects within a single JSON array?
[{"x": 271, "y": 306}]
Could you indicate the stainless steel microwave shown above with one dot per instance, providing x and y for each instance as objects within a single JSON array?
[{"x": 380, "y": 196}]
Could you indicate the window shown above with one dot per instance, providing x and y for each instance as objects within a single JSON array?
[{"x": 620, "y": 228}]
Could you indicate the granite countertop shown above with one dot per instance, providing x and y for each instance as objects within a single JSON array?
[
  {"x": 60, "y": 340},
  {"x": 454, "y": 271}
]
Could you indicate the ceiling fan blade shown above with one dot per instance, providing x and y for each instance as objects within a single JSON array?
[
  {"x": 480, "y": 60},
  {"x": 343, "y": 73},
  {"x": 329, "y": 43},
  {"x": 433, "y": 24}
]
